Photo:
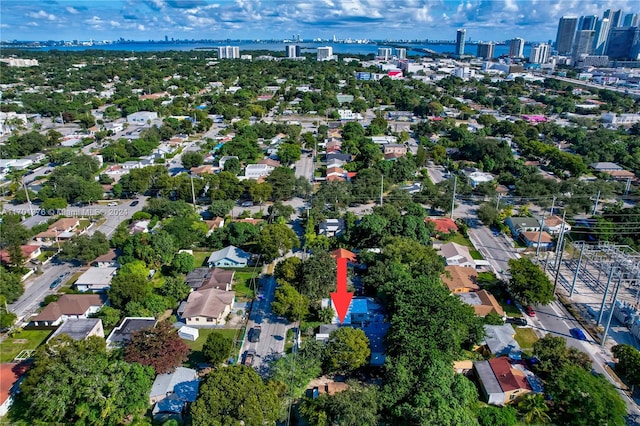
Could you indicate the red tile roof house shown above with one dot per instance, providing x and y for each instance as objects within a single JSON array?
[
  {"x": 69, "y": 306},
  {"x": 28, "y": 252},
  {"x": 11, "y": 375},
  {"x": 500, "y": 382},
  {"x": 443, "y": 225},
  {"x": 62, "y": 229}
]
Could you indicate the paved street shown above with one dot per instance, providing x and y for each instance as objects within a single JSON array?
[
  {"x": 274, "y": 329},
  {"x": 304, "y": 167},
  {"x": 497, "y": 250}
]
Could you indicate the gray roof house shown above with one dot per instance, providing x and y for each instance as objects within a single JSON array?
[
  {"x": 122, "y": 334},
  {"x": 605, "y": 166},
  {"x": 522, "y": 224},
  {"x": 164, "y": 384},
  {"x": 456, "y": 254},
  {"x": 230, "y": 257},
  {"x": 499, "y": 339},
  {"x": 331, "y": 227},
  {"x": 96, "y": 279},
  {"x": 80, "y": 328},
  {"x": 171, "y": 392}
]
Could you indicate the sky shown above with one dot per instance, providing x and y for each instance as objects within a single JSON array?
[{"x": 497, "y": 20}]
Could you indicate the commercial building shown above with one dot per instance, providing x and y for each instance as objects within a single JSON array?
[
  {"x": 461, "y": 34},
  {"x": 614, "y": 16},
  {"x": 292, "y": 51},
  {"x": 325, "y": 53},
  {"x": 601, "y": 36},
  {"x": 401, "y": 53},
  {"x": 516, "y": 48},
  {"x": 566, "y": 31},
  {"x": 587, "y": 22},
  {"x": 384, "y": 53},
  {"x": 583, "y": 43},
  {"x": 623, "y": 43},
  {"x": 229, "y": 52},
  {"x": 631, "y": 20},
  {"x": 540, "y": 54},
  {"x": 485, "y": 50}
]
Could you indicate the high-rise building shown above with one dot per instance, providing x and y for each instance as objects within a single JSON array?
[
  {"x": 461, "y": 34},
  {"x": 292, "y": 51},
  {"x": 401, "y": 53},
  {"x": 540, "y": 54},
  {"x": 566, "y": 31},
  {"x": 623, "y": 43},
  {"x": 228, "y": 52},
  {"x": 485, "y": 50},
  {"x": 614, "y": 17},
  {"x": 602, "y": 34},
  {"x": 583, "y": 43},
  {"x": 385, "y": 53},
  {"x": 166, "y": 38},
  {"x": 516, "y": 48},
  {"x": 587, "y": 22},
  {"x": 631, "y": 20},
  {"x": 325, "y": 53}
]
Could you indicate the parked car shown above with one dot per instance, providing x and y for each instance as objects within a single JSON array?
[
  {"x": 135, "y": 203},
  {"x": 249, "y": 357},
  {"x": 254, "y": 334},
  {"x": 578, "y": 334},
  {"x": 112, "y": 204},
  {"x": 529, "y": 310},
  {"x": 247, "y": 204},
  {"x": 55, "y": 283},
  {"x": 517, "y": 321}
]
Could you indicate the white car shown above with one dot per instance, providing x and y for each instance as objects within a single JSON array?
[{"x": 112, "y": 204}]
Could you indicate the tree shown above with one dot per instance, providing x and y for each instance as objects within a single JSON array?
[
  {"x": 7, "y": 318},
  {"x": 129, "y": 284},
  {"x": 534, "y": 409},
  {"x": 488, "y": 214},
  {"x": 628, "y": 362},
  {"x": 159, "y": 347},
  {"x": 217, "y": 348},
  {"x": 109, "y": 316},
  {"x": 260, "y": 192},
  {"x": 355, "y": 406},
  {"x": 528, "y": 283},
  {"x": 11, "y": 287},
  {"x": 289, "y": 153},
  {"x": 220, "y": 208},
  {"x": 318, "y": 276},
  {"x": 54, "y": 203},
  {"x": 282, "y": 181},
  {"x": 289, "y": 270},
  {"x": 191, "y": 159},
  {"x": 347, "y": 350},
  {"x": 552, "y": 354},
  {"x": 497, "y": 416},
  {"x": 289, "y": 303},
  {"x": 182, "y": 263},
  {"x": 581, "y": 398},
  {"x": 232, "y": 165},
  {"x": 78, "y": 382},
  {"x": 275, "y": 240},
  {"x": 85, "y": 248},
  {"x": 232, "y": 395}
]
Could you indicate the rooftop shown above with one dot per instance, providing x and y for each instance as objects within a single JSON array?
[
  {"x": 460, "y": 277},
  {"x": 77, "y": 329},
  {"x": 69, "y": 304},
  {"x": 209, "y": 302},
  {"x": 129, "y": 325}
]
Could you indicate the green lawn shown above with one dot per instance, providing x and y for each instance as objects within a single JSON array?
[
  {"x": 460, "y": 239},
  {"x": 26, "y": 339},
  {"x": 525, "y": 337},
  {"x": 199, "y": 258},
  {"x": 243, "y": 285},
  {"x": 196, "y": 356}
]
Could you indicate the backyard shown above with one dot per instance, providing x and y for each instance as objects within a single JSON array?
[
  {"x": 525, "y": 337},
  {"x": 24, "y": 340},
  {"x": 196, "y": 356}
]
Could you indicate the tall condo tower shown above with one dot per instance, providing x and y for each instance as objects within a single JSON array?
[
  {"x": 566, "y": 31},
  {"x": 516, "y": 48},
  {"x": 461, "y": 34},
  {"x": 602, "y": 34}
]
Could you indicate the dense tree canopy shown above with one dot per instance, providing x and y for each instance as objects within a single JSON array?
[
  {"x": 159, "y": 347},
  {"x": 528, "y": 283}
]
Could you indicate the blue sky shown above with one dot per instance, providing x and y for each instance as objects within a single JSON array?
[{"x": 277, "y": 19}]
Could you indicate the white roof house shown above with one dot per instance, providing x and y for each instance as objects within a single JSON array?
[
  {"x": 230, "y": 256},
  {"x": 96, "y": 279},
  {"x": 141, "y": 117},
  {"x": 254, "y": 171}
]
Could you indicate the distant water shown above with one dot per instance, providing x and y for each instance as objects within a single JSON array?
[{"x": 341, "y": 48}]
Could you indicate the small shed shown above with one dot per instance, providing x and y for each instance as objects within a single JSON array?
[{"x": 188, "y": 333}]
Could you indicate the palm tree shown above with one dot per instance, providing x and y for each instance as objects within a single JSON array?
[{"x": 534, "y": 409}]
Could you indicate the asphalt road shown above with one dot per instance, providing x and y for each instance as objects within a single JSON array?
[
  {"x": 37, "y": 288},
  {"x": 274, "y": 329},
  {"x": 498, "y": 250},
  {"x": 304, "y": 167}
]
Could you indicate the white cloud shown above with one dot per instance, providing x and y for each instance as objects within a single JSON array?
[
  {"x": 41, "y": 14},
  {"x": 33, "y": 24},
  {"x": 72, "y": 10},
  {"x": 141, "y": 27},
  {"x": 114, "y": 24}
]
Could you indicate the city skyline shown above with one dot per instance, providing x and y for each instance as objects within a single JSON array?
[{"x": 533, "y": 20}]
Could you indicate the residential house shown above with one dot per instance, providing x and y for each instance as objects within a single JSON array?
[
  {"x": 395, "y": 148},
  {"x": 554, "y": 225},
  {"x": 338, "y": 156},
  {"x": 477, "y": 178},
  {"x": 29, "y": 252},
  {"x": 230, "y": 257},
  {"x": 96, "y": 279},
  {"x": 413, "y": 188},
  {"x": 535, "y": 239},
  {"x": 80, "y": 328},
  {"x": 330, "y": 388},
  {"x": 443, "y": 225},
  {"x": 522, "y": 224},
  {"x": 212, "y": 225},
  {"x": 605, "y": 166},
  {"x": 11, "y": 375},
  {"x": 139, "y": 226},
  {"x": 460, "y": 279},
  {"x": 141, "y": 117},
  {"x": 270, "y": 162},
  {"x": 344, "y": 254},
  {"x": 250, "y": 220},
  {"x": 205, "y": 169},
  {"x": 332, "y": 227},
  {"x": 164, "y": 384},
  {"x": 109, "y": 259},
  {"x": 208, "y": 307},
  {"x": 457, "y": 255},
  {"x": 380, "y": 140},
  {"x": 335, "y": 163},
  {"x": 482, "y": 302},
  {"x": 255, "y": 171},
  {"x": 335, "y": 173},
  {"x": 69, "y": 306},
  {"x": 202, "y": 278},
  {"x": 500, "y": 382},
  {"x": 224, "y": 159},
  {"x": 500, "y": 341},
  {"x": 334, "y": 145},
  {"x": 122, "y": 334},
  {"x": 61, "y": 229}
]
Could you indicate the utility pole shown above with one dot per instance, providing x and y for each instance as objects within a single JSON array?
[
  {"x": 604, "y": 297},
  {"x": 540, "y": 235},
  {"x": 561, "y": 239},
  {"x": 613, "y": 305},
  {"x": 627, "y": 187},
  {"x": 453, "y": 196},
  {"x": 555, "y": 280},
  {"x": 26, "y": 192},
  {"x": 595, "y": 205},
  {"x": 498, "y": 201},
  {"x": 381, "y": 187},
  {"x": 575, "y": 276},
  {"x": 553, "y": 204},
  {"x": 193, "y": 193}
]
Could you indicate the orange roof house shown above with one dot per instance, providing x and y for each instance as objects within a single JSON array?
[
  {"x": 460, "y": 279},
  {"x": 444, "y": 225},
  {"x": 10, "y": 377}
]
